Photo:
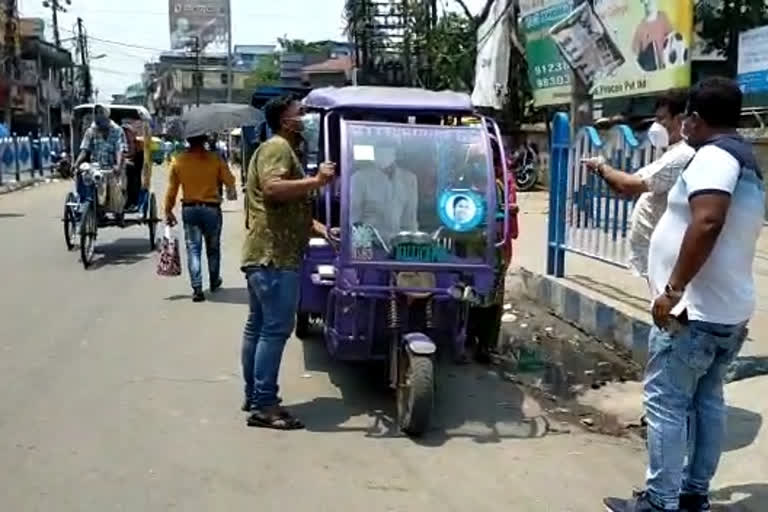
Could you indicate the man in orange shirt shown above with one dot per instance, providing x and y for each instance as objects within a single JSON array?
[{"x": 200, "y": 174}]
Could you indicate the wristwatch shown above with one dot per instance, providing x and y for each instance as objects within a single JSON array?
[{"x": 673, "y": 294}]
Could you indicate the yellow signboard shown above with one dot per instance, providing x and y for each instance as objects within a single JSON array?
[{"x": 654, "y": 37}]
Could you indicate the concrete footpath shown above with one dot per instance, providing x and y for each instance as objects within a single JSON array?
[{"x": 612, "y": 304}]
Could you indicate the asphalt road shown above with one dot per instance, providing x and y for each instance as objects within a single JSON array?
[{"x": 117, "y": 393}]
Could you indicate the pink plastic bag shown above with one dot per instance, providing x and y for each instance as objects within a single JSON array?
[{"x": 170, "y": 257}]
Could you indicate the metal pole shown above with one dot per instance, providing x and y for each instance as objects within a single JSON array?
[
  {"x": 229, "y": 51},
  {"x": 85, "y": 67},
  {"x": 9, "y": 57},
  {"x": 581, "y": 99},
  {"x": 198, "y": 77}
]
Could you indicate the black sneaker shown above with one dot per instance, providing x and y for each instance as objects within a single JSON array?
[
  {"x": 197, "y": 295},
  {"x": 215, "y": 285},
  {"x": 247, "y": 405},
  {"x": 638, "y": 503},
  {"x": 694, "y": 503}
]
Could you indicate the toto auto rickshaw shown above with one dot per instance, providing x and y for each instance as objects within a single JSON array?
[
  {"x": 415, "y": 225},
  {"x": 93, "y": 203}
]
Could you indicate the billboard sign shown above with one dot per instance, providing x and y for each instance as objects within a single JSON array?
[
  {"x": 586, "y": 45},
  {"x": 204, "y": 21},
  {"x": 654, "y": 36},
  {"x": 753, "y": 60},
  {"x": 548, "y": 73}
]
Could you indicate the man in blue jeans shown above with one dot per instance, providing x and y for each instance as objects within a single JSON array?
[
  {"x": 279, "y": 224},
  {"x": 200, "y": 174},
  {"x": 700, "y": 270}
]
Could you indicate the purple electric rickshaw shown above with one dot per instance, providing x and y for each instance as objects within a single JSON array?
[{"x": 416, "y": 229}]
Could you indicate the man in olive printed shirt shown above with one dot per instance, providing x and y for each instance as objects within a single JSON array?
[{"x": 280, "y": 222}]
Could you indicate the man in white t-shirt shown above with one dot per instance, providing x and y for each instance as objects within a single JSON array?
[
  {"x": 700, "y": 271},
  {"x": 652, "y": 182}
]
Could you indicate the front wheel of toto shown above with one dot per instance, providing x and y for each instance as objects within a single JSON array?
[{"x": 415, "y": 393}]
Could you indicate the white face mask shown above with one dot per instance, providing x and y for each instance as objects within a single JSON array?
[
  {"x": 658, "y": 136},
  {"x": 684, "y": 130}
]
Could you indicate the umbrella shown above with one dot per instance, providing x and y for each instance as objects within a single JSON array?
[{"x": 219, "y": 117}]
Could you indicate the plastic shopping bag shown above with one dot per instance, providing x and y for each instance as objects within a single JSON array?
[{"x": 170, "y": 257}]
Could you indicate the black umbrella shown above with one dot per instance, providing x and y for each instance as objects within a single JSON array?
[{"x": 219, "y": 117}]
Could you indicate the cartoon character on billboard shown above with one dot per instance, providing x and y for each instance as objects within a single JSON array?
[{"x": 656, "y": 43}]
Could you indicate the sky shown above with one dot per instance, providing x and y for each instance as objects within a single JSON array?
[{"x": 144, "y": 24}]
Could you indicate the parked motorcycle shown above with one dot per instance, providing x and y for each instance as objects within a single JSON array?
[
  {"x": 62, "y": 164},
  {"x": 525, "y": 164}
]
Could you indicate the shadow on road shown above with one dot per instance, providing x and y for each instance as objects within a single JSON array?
[
  {"x": 124, "y": 251},
  {"x": 11, "y": 215},
  {"x": 229, "y": 296},
  {"x": 743, "y": 428},
  {"x": 472, "y": 402},
  {"x": 745, "y": 498},
  {"x": 221, "y": 296}
]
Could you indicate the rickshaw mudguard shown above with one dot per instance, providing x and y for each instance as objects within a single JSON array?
[{"x": 419, "y": 344}]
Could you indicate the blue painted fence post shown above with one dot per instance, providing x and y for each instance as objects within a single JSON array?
[
  {"x": 560, "y": 147},
  {"x": 16, "y": 156}
]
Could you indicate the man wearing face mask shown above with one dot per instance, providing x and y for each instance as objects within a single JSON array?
[
  {"x": 384, "y": 195},
  {"x": 652, "y": 182},
  {"x": 279, "y": 225},
  {"x": 104, "y": 143},
  {"x": 700, "y": 270}
]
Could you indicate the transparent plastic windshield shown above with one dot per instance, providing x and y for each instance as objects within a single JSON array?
[
  {"x": 311, "y": 147},
  {"x": 417, "y": 193}
]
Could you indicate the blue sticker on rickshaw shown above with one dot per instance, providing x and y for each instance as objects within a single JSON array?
[{"x": 461, "y": 210}]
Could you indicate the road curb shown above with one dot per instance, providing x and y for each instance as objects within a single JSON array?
[
  {"x": 594, "y": 317},
  {"x": 21, "y": 185}
]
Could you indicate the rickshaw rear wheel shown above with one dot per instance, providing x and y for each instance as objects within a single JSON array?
[
  {"x": 70, "y": 222},
  {"x": 415, "y": 393},
  {"x": 302, "y": 325},
  {"x": 152, "y": 221},
  {"x": 88, "y": 228}
]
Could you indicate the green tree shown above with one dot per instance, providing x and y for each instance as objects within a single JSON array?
[
  {"x": 266, "y": 73},
  {"x": 300, "y": 46},
  {"x": 720, "y": 22}
]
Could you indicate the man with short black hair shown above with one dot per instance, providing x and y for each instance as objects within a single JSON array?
[
  {"x": 651, "y": 183},
  {"x": 700, "y": 271},
  {"x": 279, "y": 224}
]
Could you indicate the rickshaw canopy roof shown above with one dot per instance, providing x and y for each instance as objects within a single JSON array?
[
  {"x": 142, "y": 112},
  {"x": 389, "y": 98}
]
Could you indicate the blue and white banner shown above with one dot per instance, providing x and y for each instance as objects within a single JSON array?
[{"x": 753, "y": 60}]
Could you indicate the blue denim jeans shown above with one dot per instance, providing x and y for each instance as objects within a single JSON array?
[
  {"x": 202, "y": 223},
  {"x": 684, "y": 406},
  {"x": 273, "y": 296}
]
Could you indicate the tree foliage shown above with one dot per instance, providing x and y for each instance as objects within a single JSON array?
[
  {"x": 719, "y": 24},
  {"x": 300, "y": 46},
  {"x": 267, "y": 72}
]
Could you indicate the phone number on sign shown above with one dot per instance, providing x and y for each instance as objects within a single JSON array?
[{"x": 552, "y": 81}]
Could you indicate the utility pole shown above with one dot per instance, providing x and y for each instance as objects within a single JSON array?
[
  {"x": 581, "y": 100},
  {"x": 229, "y": 51},
  {"x": 198, "y": 77},
  {"x": 55, "y": 6},
  {"x": 9, "y": 58},
  {"x": 85, "y": 68}
]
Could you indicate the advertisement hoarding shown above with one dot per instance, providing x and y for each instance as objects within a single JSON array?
[
  {"x": 586, "y": 45},
  {"x": 548, "y": 73},
  {"x": 654, "y": 36},
  {"x": 492, "y": 63},
  {"x": 204, "y": 20},
  {"x": 753, "y": 60}
]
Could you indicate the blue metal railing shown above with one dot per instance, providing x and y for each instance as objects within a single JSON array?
[
  {"x": 585, "y": 216},
  {"x": 24, "y": 157}
]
